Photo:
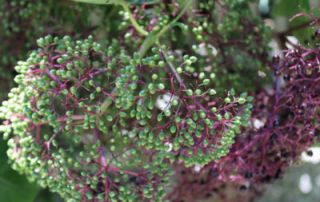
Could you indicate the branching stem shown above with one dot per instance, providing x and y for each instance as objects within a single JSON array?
[
  {"x": 135, "y": 24},
  {"x": 154, "y": 37}
]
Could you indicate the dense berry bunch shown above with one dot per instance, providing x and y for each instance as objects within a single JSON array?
[
  {"x": 234, "y": 40},
  {"x": 94, "y": 124},
  {"x": 159, "y": 113},
  {"x": 209, "y": 30},
  {"x": 22, "y": 22},
  {"x": 228, "y": 40},
  {"x": 99, "y": 124},
  {"x": 288, "y": 123}
]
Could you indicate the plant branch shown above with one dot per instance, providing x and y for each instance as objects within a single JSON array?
[
  {"x": 173, "y": 70},
  {"x": 135, "y": 24},
  {"x": 153, "y": 38}
]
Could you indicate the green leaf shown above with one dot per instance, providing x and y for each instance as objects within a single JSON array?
[
  {"x": 289, "y": 9},
  {"x": 14, "y": 187}
]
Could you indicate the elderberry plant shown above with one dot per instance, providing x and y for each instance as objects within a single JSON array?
[
  {"x": 91, "y": 124},
  {"x": 160, "y": 111}
]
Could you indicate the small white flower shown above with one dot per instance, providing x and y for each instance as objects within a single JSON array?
[
  {"x": 202, "y": 49},
  {"x": 197, "y": 168},
  {"x": 261, "y": 74},
  {"x": 305, "y": 184},
  {"x": 164, "y": 102},
  {"x": 124, "y": 132},
  {"x": 214, "y": 51},
  {"x": 257, "y": 124},
  {"x": 169, "y": 146}
]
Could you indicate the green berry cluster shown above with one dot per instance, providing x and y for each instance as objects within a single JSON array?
[
  {"x": 93, "y": 123},
  {"x": 71, "y": 127},
  {"x": 23, "y": 21},
  {"x": 227, "y": 38},
  {"x": 111, "y": 121},
  {"x": 234, "y": 40}
]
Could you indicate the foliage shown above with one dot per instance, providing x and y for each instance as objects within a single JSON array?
[
  {"x": 168, "y": 102},
  {"x": 12, "y": 186}
]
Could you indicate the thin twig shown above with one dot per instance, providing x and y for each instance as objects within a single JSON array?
[{"x": 172, "y": 70}]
